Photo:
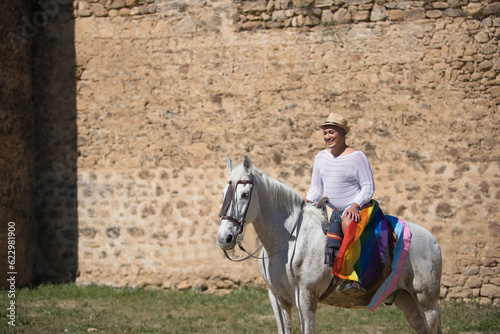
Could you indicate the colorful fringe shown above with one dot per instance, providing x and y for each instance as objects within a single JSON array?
[{"x": 371, "y": 256}]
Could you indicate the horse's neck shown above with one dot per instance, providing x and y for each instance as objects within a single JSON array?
[{"x": 274, "y": 224}]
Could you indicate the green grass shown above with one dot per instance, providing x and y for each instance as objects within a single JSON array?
[{"x": 69, "y": 308}]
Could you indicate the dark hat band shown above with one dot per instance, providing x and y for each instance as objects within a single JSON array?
[{"x": 335, "y": 124}]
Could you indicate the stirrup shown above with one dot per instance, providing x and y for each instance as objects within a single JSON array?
[{"x": 348, "y": 285}]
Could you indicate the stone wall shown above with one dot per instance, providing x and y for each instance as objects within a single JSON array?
[
  {"x": 56, "y": 133},
  {"x": 308, "y": 13},
  {"x": 17, "y": 153},
  {"x": 161, "y": 92}
]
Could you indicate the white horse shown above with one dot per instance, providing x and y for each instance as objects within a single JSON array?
[{"x": 292, "y": 261}]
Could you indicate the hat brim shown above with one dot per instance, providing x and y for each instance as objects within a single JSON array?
[{"x": 343, "y": 127}]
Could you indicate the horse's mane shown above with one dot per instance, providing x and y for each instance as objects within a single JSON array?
[
  {"x": 284, "y": 196},
  {"x": 280, "y": 194}
]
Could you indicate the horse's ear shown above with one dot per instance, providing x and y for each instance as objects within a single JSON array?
[
  {"x": 229, "y": 165},
  {"x": 247, "y": 164}
]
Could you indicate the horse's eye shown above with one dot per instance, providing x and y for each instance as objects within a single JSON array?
[{"x": 244, "y": 195}]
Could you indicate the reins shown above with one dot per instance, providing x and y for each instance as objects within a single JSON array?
[{"x": 243, "y": 249}]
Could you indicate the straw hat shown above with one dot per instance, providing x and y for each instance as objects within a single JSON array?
[{"x": 336, "y": 120}]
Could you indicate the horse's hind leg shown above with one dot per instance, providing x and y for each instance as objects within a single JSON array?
[
  {"x": 433, "y": 319},
  {"x": 406, "y": 303},
  {"x": 429, "y": 306},
  {"x": 422, "y": 317},
  {"x": 282, "y": 312}
]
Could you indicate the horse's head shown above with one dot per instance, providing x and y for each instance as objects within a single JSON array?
[{"x": 240, "y": 203}]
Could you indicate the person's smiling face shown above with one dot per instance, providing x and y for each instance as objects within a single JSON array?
[{"x": 333, "y": 136}]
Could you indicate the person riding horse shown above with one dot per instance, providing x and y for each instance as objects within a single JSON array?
[
  {"x": 293, "y": 238},
  {"x": 343, "y": 175}
]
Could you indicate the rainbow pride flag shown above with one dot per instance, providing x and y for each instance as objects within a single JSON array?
[{"x": 372, "y": 254}]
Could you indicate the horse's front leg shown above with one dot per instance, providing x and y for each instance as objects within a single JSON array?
[
  {"x": 307, "y": 305},
  {"x": 282, "y": 312}
]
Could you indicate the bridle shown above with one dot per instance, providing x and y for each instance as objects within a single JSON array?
[{"x": 230, "y": 198}]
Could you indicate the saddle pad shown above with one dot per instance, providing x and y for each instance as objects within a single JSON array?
[{"x": 370, "y": 255}]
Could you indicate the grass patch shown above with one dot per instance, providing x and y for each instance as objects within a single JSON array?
[{"x": 69, "y": 308}]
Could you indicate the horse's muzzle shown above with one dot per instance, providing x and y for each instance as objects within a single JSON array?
[
  {"x": 227, "y": 241},
  {"x": 228, "y": 234}
]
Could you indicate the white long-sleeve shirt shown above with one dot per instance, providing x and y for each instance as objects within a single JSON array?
[{"x": 344, "y": 179}]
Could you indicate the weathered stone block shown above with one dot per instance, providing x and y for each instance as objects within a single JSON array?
[
  {"x": 254, "y": 6},
  {"x": 489, "y": 271},
  {"x": 470, "y": 50},
  {"x": 496, "y": 65},
  {"x": 323, "y": 3},
  {"x": 492, "y": 9},
  {"x": 456, "y": 51},
  {"x": 434, "y": 14},
  {"x": 482, "y": 37},
  {"x": 396, "y": 15},
  {"x": 117, "y": 4},
  {"x": 379, "y": 13},
  {"x": 489, "y": 49},
  {"x": 474, "y": 282},
  {"x": 342, "y": 16},
  {"x": 311, "y": 21},
  {"x": 451, "y": 12},
  {"x": 132, "y": 3},
  {"x": 360, "y": 15},
  {"x": 474, "y": 9},
  {"x": 122, "y": 11},
  {"x": 279, "y": 15},
  {"x": 495, "y": 92},
  {"x": 302, "y": 3},
  {"x": 471, "y": 270},
  {"x": 358, "y": 2},
  {"x": 414, "y": 14},
  {"x": 455, "y": 3},
  {"x": 440, "y": 5},
  {"x": 490, "y": 291},
  {"x": 485, "y": 66},
  {"x": 327, "y": 17},
  {"x": 459, "y": 292}
]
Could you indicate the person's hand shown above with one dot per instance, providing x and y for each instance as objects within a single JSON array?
[
  {"x": 306, "y": 200},
  {"x": 352, "y": 212}
]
